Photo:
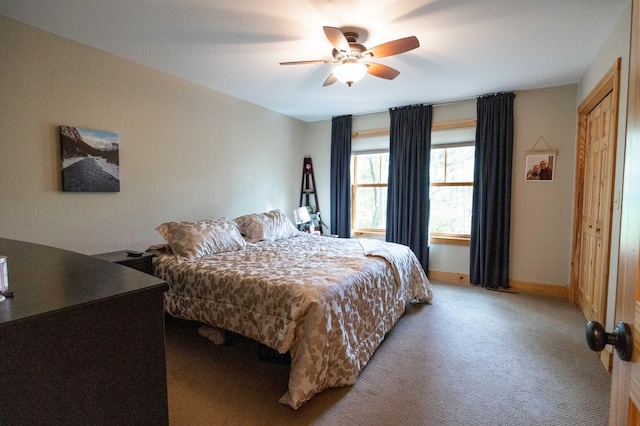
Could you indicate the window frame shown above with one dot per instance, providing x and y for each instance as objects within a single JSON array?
[
  {"x": 446, "y": 237},
  {"x": 435, "y": 238},
  {"x": 355, "y": 186}
]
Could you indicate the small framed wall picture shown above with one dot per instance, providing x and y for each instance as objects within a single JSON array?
[
  {"x": 540, "y": 166},
  {"x": 90, "y": 160}
]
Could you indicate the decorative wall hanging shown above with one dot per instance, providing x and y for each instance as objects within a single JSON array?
[
  {"x": 90, "y": 160},
  {"x": 540, "y": 164}
]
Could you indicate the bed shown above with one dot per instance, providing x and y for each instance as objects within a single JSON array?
[{"x": 329, "y": 302}]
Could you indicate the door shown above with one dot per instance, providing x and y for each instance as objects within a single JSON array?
[
  {"x": 625, "y": 385},
  {"x": 599, "y": 160}
]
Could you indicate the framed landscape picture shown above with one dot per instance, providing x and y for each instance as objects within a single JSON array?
[
  {"x": 540, "y": 166},
  {"x": 90, "y": 160}
]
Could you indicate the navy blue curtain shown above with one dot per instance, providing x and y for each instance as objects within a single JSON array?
[
  {"x": 341, "y": 176},
  {"x": 408, "y": 186},
  {"x": 491, "y": 215}
]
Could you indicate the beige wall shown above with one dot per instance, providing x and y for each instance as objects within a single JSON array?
[
  {"x": 186, "y": 152},
  {"x": 542, "y": 212}
]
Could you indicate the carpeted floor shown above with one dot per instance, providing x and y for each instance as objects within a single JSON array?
[{"x": 473, "y": 357}]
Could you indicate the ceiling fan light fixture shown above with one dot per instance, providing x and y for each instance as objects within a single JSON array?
[
  {"x": 350, "y": 72},
  {"x": 350, "y": 56}
]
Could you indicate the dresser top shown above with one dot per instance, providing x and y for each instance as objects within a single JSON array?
[{"x": 45, "y": 279}]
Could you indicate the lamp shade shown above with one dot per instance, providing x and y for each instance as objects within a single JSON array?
[
  {"x": 350, "y": 72},
  {"x": 301, "y": 215}
]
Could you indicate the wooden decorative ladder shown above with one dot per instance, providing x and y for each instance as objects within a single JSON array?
[{"x": 307, "y": 190}]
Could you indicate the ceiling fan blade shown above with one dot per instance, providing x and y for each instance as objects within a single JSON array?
[
  {"x": 393, "y": 47},
  {"x": 337, "y": 39},
  {"x": 330, "y": 80},
  {"x": 381, "y": 71},
  {"x": 314, "y": 61}
]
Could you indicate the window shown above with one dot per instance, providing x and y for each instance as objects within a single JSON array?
[
  {"x": 451, "y": 174},
  {"x": 369, "y": 191},
  {"x": 451, "y": 191}
]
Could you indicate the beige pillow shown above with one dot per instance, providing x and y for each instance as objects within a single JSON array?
[
  {"x": 200, "y": 238},
  {"x": 270, "y": 226}
]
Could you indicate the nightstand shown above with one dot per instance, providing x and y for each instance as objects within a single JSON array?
[{"x": 142, "y": 263}]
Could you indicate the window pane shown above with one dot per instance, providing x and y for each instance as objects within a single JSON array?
[
  {"x": 372, "y": 168},
  {"x": 460, "y": 164},
  {"x": 437, "y": 165},
  {"x": 450, "y": 211},
  {"x": 368, "y": 168},
  {"x": 371, "y": 208}
]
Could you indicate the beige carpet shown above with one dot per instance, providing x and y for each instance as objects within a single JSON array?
[{"x": 474, "y": 357}]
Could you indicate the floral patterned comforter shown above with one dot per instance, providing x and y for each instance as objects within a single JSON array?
[{"x": 323, "y": 299}]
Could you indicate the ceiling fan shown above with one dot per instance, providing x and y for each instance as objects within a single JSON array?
[{"x": 353, "y": 57}]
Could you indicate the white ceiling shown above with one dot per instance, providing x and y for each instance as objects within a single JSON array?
[{"x": 467, "y": 47}]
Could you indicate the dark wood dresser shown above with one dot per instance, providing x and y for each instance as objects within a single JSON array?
[{"x": 81, "y": 341}]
